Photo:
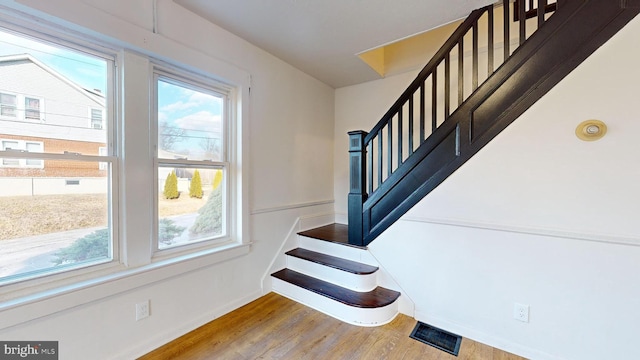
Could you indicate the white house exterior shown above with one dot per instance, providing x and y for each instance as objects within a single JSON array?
[{"x": 43, "y": 111}]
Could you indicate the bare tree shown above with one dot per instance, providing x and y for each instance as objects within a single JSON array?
[
  {"x": 211, "y": 148},
  {"x": 168, "y": 135}
]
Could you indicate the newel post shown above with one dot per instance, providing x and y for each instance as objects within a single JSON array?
[{"x": 357, "y": 185}]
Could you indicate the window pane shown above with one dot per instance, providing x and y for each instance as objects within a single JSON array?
[
  {"x": 10, "y": 162},
  {"x": 96, "y": 118},
  {"x": 103, "y": 152},
  {"x": 190, "y": 205},
  {"x": 32, "y": 108},
  {"x": 53, "y": 222},
  {"x": 34, "y": 147},
  {"x": 8, "y": 99},
  {"x": 189, "y": 123},
  {"x": 7, "y": 105},
  {"x": 56, "y": 86},
  {"x": 10, "y": 145}
]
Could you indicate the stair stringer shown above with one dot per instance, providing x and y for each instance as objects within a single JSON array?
[
  {"x": 570, "y": 36},
  {"x": 290, "y": 242}
]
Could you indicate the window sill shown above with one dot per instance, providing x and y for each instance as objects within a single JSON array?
[
  {"x": 196, "y": 248},
  {"x": 48, "y": 302}
]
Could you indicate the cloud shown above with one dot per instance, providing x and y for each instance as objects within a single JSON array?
[
  {"x": 201, "y": 121},
  {"x": 195, "y": 99},
  {"x": 202, "y": 98},
  {"x": 178, "y": 106}
]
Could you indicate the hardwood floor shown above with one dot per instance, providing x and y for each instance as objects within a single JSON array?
[{"x": 274, "y": 327}]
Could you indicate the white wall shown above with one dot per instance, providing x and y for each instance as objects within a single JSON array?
[
  {"x": 537, "y": 217},
  {"x": 10, "y": 186},
  {"x": 359, "y": 107},
  {"x": 290, "y": 126}
]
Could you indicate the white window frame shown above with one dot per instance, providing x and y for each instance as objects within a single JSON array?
[
  {"x": 185, "y": 79},
  {"x": 39, "y": 279},
  {"x": 40, "y": 163},
  {"x": 20, "y": 108},
  {"x": 15, "y": 106},
  {"x": 138, "y": 264},
  {"x": 40, "y": 108},
  {"x": 10, "y": 162}
]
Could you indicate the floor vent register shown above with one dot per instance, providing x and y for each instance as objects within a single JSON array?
[{"x": 437, "y": 338}]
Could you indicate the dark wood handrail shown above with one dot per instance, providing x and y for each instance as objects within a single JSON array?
[
  {"x": 437, "y": 59},
  {"x": 396, "y": 163}
]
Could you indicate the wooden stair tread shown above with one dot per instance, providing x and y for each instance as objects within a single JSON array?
[
  {"x": 378, "y": 297},
  {"x": 333, "y": 232},
  {"x": 336, "y": 233},
  {"x": 333, "y": 262}
]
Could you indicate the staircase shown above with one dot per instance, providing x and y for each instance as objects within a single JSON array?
[
  {"x": 343, "y": 284},
  {"x": 496, "y": 64}
]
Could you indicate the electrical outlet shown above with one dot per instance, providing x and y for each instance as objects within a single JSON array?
[
  {"x": 142, "y": 310},
  {"x": 521, "y": 312}
]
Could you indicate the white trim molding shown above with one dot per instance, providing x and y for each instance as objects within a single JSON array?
[
  {"x": 532, "y": 230},
  {"x": 291, "y": 206}
]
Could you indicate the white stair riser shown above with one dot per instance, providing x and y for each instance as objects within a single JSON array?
[
  {"x": 349, "y": 314},
  {"x": 338, "y": 250},
  {"x": 356, "y": 282}
]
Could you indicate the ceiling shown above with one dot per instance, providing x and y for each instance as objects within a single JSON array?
[{"x": 323, "y": 37}]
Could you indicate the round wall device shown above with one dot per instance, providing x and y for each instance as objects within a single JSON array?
[{"x": 591, "y": 130}]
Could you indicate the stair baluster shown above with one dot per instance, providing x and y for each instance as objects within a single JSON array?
[{"x": 392, "y": 163}]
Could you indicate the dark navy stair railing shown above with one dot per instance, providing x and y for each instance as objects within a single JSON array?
[{"x": 495, "y": 65}]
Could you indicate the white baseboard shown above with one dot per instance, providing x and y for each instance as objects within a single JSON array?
[
  {"x": 159, "y": 339},
  {"x": 482, "y": 337}
]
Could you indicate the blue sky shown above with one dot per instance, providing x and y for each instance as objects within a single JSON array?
[
  {"x": 87, "y": 71},
  {"x": 197, "y": 113}
]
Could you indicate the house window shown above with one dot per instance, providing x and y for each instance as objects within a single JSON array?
[
  {"x": 34, "y": 147},
  {"x": 72, "y": 173},
  {"x": 38, "y": 157},
  {"x": 96, "y": 118},
  {"x": 9, "y": 145},
  {"x": 32, "y": 108},
  {"x": 102, "y": 151},
  {"x": 7, "y": 105},
  {"x": 192, "y": 162},
  {"x": 18, "y": 148}
]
